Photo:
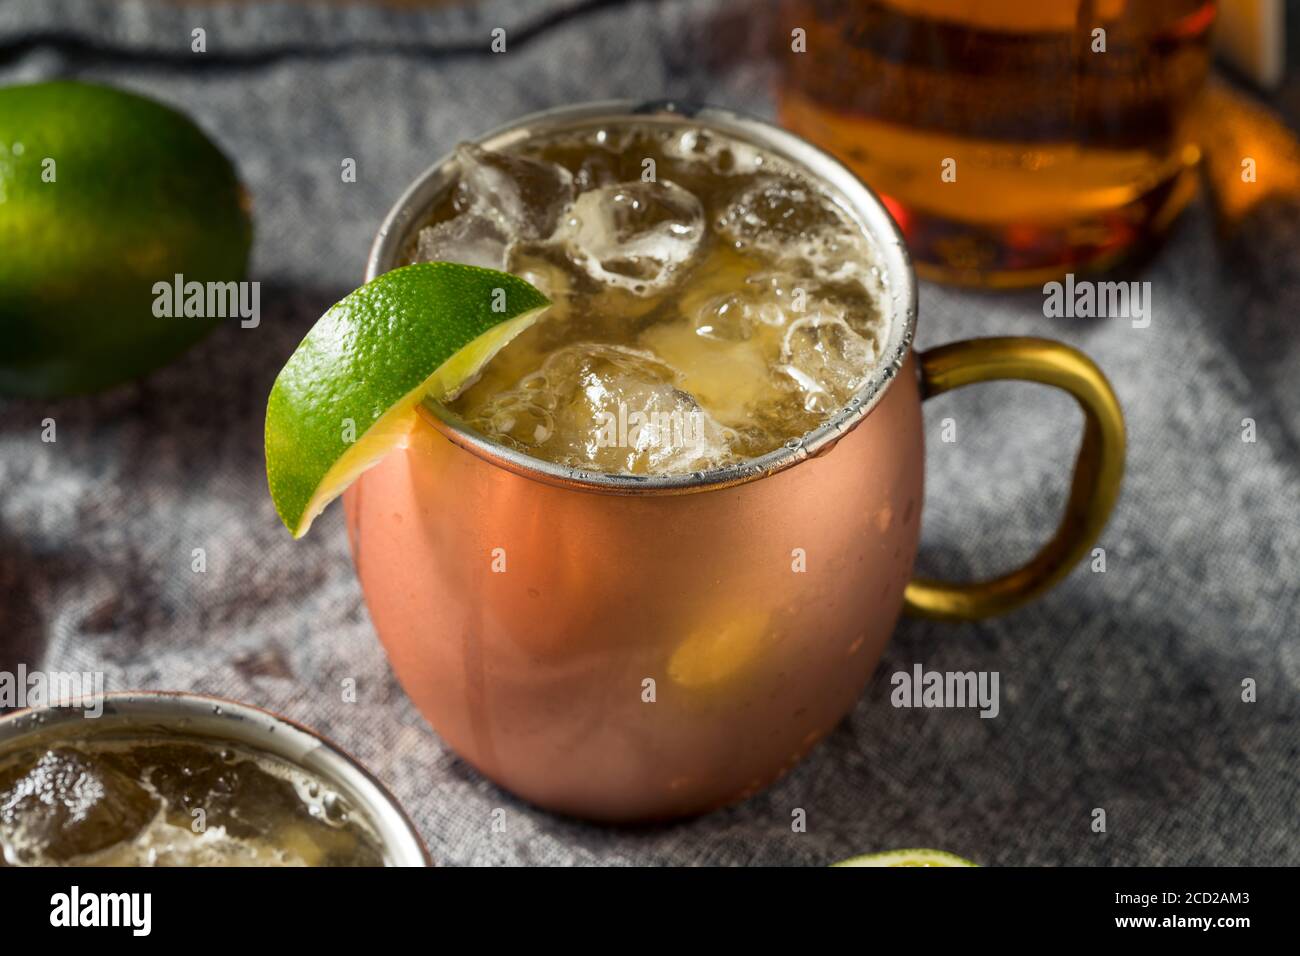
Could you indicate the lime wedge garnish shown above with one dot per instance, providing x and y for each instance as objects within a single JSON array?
[
  {"x": 348, "y": 394},
  {"x": 907, "y": 858}
]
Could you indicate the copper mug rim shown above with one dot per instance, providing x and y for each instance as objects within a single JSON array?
[{"x": 844, "y": 186}]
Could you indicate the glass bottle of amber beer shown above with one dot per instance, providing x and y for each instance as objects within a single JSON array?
[{"x": 1012, "y": 140}]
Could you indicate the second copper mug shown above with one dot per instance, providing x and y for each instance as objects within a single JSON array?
[{"x": 628, "y": 648}]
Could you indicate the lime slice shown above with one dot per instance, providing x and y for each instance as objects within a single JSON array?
[
  {"x": 348, "y": 394},
  {"x": 907, "y": 858}
]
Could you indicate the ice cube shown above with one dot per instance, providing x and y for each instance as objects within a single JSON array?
[
  {"x": 250, "y": 803},
  {"x": 778, "y": 213},
  {"x": 762, "y": 299},
  {"x": 826, "y": 360},
  {"x": 235, "y": 793},
  {"x": 635, "y": 235},
  {"x": 513, "y": 418},
  {"x": 470, "y": 238},
  {"x": 525, "y": 197},
  {"x": 608, "y": 408},
  {"x": 66, "y": 804},
  {"x": 724, "y": 156},
  {"x": 600, "y": 167}
]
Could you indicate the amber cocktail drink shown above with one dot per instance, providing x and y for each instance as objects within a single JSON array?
[{"x": 711, "y": 301}]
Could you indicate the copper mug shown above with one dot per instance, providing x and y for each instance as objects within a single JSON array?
[{"x": 633, "y": 648}]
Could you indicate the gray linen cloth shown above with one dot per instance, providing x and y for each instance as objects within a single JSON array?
[{"x": 1120, "y": 690}]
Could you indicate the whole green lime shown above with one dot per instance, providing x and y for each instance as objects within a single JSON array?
[{"x": 105, "y": 197}]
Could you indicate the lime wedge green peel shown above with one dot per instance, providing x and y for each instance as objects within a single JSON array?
[
  {"x": 348, "y": 394},
  {"x": 907, "y": 858}
]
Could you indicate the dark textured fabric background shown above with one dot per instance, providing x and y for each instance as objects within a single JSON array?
[{"x": 1119, "y": 690}]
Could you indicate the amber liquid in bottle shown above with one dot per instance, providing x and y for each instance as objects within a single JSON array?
[{"x": 1013, "y": 141}]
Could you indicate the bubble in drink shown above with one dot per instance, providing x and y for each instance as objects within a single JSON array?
[{"x": 729, "y": 293}]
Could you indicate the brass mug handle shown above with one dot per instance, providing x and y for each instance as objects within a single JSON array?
[{"x": 1097, "y": 472}]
